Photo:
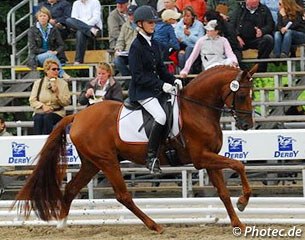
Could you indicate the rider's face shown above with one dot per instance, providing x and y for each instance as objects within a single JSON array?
[{"x": 149, "y": 26}]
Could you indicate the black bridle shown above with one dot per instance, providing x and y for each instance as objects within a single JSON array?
[{"x": 232, "y": 109}]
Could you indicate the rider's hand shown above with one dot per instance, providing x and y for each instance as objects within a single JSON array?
[
  {"x": 178, "y": 83},
  {"x": 168, "y": 88}
]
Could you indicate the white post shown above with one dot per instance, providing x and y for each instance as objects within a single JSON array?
[{"x": 184, "y": 183}]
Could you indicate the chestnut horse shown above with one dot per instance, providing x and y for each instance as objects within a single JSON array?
[{"x": 95, "y": 135}]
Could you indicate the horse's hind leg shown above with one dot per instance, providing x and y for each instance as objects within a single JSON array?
[
  {"x": 114, "y": 176},
  {"x": 81, "y": 179},
  {"x": 216, "y": 177}
]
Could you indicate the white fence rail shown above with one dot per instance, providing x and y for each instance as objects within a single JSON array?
[{"x": 285, "y": 210}]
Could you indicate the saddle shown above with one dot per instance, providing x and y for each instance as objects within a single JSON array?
[{"x": 148, "y": 120}]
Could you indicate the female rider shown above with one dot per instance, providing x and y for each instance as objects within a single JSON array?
[{"x": 149, "y": 79}]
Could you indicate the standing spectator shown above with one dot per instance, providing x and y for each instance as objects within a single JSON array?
[
  {"x": 48, "y": 98},
  {"x": 103, "y": 87},
  {"x": 224, "y": 7},
  {"x": 86, "y": 20},
  {"x": 226, "y": 30},
  {"x": 3, "y": 131},
  {"x": 165, "y": 33},
  {"x": 45, "y": 42},
  {"x": 290, "y": 29},
  {"x": 199, "y": 7},
  {"x": 127, "y": 34},
  {"x": 188, "y": 30},
  {"x": 254, "y": 27},
  {"x": 214, "y": 50},
  {"x": 115, "y": 21}
]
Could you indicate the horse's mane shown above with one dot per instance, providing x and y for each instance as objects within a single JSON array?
[{"x": 211, "y": 71}]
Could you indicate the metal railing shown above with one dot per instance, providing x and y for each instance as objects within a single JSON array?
[{"x": 14, "y": 37}]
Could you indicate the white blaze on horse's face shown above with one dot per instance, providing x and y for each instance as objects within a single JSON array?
[{"x": 251, "y": 92}]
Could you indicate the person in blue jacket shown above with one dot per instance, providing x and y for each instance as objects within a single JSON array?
[{"x": 149, "y": 78}]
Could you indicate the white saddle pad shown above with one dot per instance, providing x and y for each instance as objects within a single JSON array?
[{"x": 129, "y": 123}]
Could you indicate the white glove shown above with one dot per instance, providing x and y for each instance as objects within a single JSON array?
[
  {"x": 168, "y": 88},
  {"x": 178, "y": 83}
]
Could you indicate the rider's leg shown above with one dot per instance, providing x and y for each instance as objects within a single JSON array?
[{"x": 153, "y": 106}]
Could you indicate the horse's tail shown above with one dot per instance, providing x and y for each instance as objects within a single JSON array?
[{"x": 41, "y": 192}]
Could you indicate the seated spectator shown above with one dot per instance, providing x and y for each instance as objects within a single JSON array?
[
  {"x": 45, "y": 42},
  {"x": 199, "y": 7},
  {"x": 160, "y": 5},
  {"x": 48, "y": 98},
  {"x": 273, "y": 6},
  {"x": 226, "y": 30},
  {"x": 214, "y": 50},
  {"x": 169, "y": 4},
  {"x": 3, "y": 131},
  {"x": 103, "y": 87},
  {"x": 60, "y": 10},
  {"x": 290, "y": 29},
  {"x": 152, "y": 3},
  {"x": 86, "y": 20},
  {"x": 165, "y": 34},
  {"x": 224, "y": 7},
  {"x": 188, "y": 30},
  {"x": 127, "y": 34},
  {"x": 115, "y": 21},
  {"x": 254, "y": 27}
]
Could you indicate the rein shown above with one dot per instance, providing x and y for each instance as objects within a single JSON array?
[{"x": 232, "y": 109}]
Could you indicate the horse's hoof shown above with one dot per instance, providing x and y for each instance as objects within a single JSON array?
[
  {"x": 61, "y": 223},
  {"x": 241, "y": 207},
  {"x": 159, "y": 229}
]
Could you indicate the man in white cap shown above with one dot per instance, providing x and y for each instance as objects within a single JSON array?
[{"x": 213, "y": 48}]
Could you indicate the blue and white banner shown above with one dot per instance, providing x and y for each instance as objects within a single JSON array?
[
  {"x": 276, "y": 144},
  {"x": 22, "y": 150},
  {"x": 240, "y": 145}
]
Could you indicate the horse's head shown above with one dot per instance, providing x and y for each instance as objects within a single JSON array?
[{"x": 238, "y": 98}]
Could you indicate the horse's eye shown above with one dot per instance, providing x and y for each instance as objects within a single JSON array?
[{"x": 241, "y": 98}]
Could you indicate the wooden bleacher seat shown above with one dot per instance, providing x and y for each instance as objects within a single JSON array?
[
  {"x": 91, "y": 56},
  {"x": 252, "y": 53}
]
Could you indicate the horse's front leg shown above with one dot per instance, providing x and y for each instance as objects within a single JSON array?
[
  {"x": 216, "y": 177},
  {"x": 218, "y": 162},
  {"x": 113, "y": 173}
]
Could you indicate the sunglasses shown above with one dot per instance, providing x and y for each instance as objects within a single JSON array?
[{"x": 54, "y": 69}]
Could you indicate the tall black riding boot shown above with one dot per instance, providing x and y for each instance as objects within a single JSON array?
[{"x": 152, "y": 161}]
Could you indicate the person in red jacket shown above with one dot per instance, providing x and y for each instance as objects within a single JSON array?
[{"x": 199, "y": 7}]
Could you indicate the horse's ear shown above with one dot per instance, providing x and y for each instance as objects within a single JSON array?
[{"x": 253, "y": 69}]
